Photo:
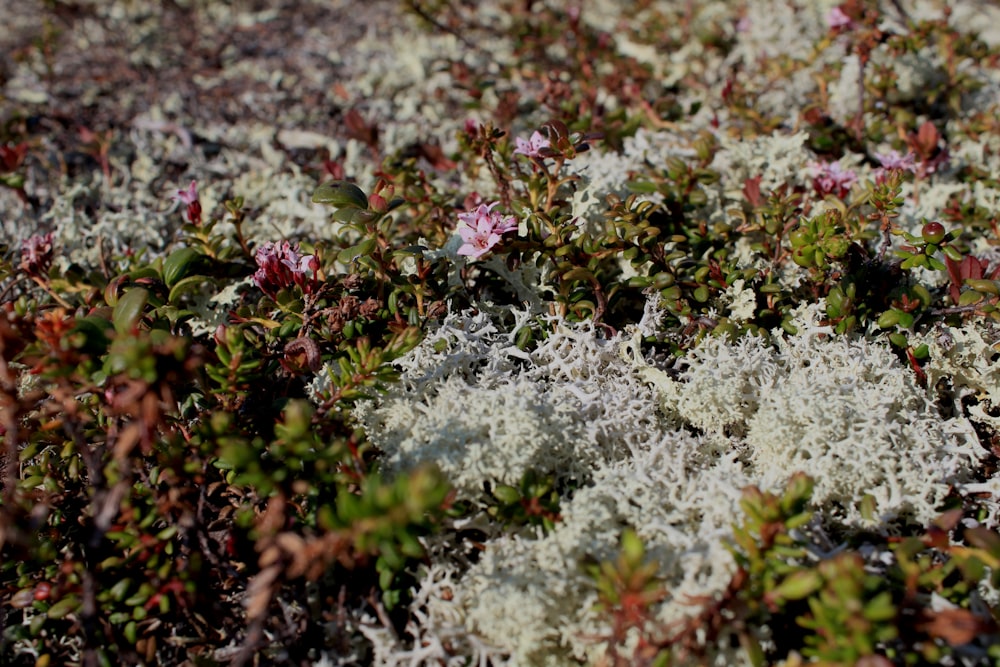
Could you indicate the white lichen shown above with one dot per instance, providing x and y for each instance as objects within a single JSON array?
[{"x": 486, "y": 412}]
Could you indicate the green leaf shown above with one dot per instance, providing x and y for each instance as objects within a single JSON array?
[
  {"x": 921, "y": 293},
  {"x": 130, "y": 632},
  {"x": 177, "y": 265},
  {"x": 953, "y": 254},
  {"x": 129, "y": 309},
  {"x": 663, "y": 280},
  {"x": 15, "y": 181},
  {"x": 348, "y": 255},
  {"x": 985, "y": 540},
  {"x": 185, "y": 285},
  {"x": 508, "y": 495},
  {"x": 119, "y": 590},
  {"x": 410, "y": 250},
  {"x": 89, "y": 334},
  {"x": 988, "y": 286},
  {"x": 880, "y": 608},
  {"x": 341, "y": 194},
  {"x": 354, "y": 215},
  {"x": 632, "y": 547},
  {"x": 641, "y": 187},
  {"x": 936, "y": 264},
  {"x": 65, "y": 606},
  {"x": 799, "y": 585},
  {"x": 969, "y": 297},
  {"x": 578, "y": 273}
]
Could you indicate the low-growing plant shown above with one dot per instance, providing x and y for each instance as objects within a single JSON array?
[{"x": 833, "y": 609}]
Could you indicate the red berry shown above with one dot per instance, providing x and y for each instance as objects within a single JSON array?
[
  {"x": 932, "y": 232},
  {"x": 42, "y": 591}
]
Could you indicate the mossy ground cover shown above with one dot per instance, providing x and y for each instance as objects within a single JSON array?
[{"x": 512, "y": 333}]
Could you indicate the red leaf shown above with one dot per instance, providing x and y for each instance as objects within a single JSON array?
[
  {"x": 925, "y": 141},
  {"x": 358, "y": 128},
  {"x": 955, "y": 626},
  {"x": 751, "y": 190}
]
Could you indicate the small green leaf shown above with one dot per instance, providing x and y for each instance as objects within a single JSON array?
[
  {"x": 411, "y": 250},
  {"x": 921, "y": 293},
  {"x": 348, "y": 255},
  {"x": 969, "y": 298},
  {"x": 880, "y": 608},
  {"x": 936, "y": 264},
  {"x": 641, "y": 187},
  {"x": 799, "y": 585},
  {"x": 130, "y": 632},
  {"x": 89, "y": 334},
  {"x": 985, "y": 540},
  {"x": 15, "y": 181},
  {"x": 185, "y": 285},
  {"x": 506, "y": 494},
  {"x": 129, "y": 309},
  {"x": 341, "y": 194},
  {"x": 889, "y": 318},
  {"x": 632, "y": 547},
  {"x": 988, "y": 286},
  {"x": 578, "y": 273},
  {"x": 68, "y": 604},
  {"x": 354, "y": 215},
  {"x": 119, "y": 590},
  {"x": 177, "y": 265},
  {"x": 953, "y": 254},
  {"x": 663, "y": 280}
]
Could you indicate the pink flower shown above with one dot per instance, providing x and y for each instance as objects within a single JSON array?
[
  {"x": 36, "y": 254},
  {"x": 482, "y": 229},
  {"x": 836, "y": 19},
  {"x": 189, "y": 197},
  {"x": 893, "y": 160},
  {"x": 281, "y": 266},
  {"x": 829, "y": 178},
  {"x": 532, "y": 146}
]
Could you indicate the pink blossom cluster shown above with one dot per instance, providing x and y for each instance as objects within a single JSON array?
[
  {"x": 189, "y": 197},
  {"x": 281, "y": 266},
  {"x": 838, "y": 20},
  {"x": 531, "y": 147},
  {"x": 481, "y": 229},
  {"x": 893, "y": 160},
  {"x": 829, "y": 178}
]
